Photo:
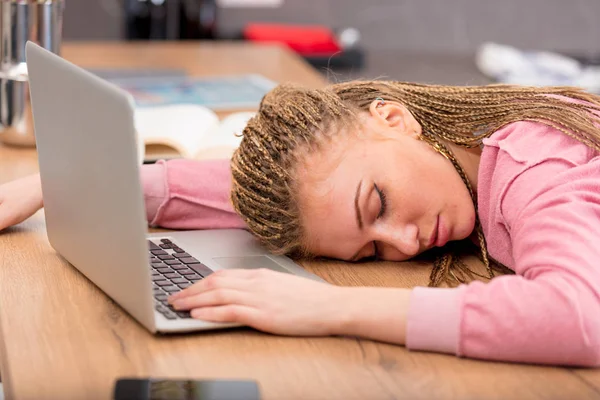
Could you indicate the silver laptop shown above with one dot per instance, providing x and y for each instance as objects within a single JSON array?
[{"x": 94, "y": 205}]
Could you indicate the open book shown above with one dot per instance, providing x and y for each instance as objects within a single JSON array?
[
  {"x": 188, "y": 131},
  {"x": 174, "y": 115}
]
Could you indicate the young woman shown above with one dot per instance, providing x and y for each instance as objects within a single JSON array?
[{"x": 390, "y": 170}]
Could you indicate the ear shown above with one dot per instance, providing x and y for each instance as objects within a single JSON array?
[{"x": 396, "y": 116}]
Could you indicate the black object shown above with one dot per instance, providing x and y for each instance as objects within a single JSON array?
[
  {"x": 145, "y": 19},
  {"x": 197, "y": 19},
  {"x": 346, "y": 59},
  {"x": 172, "y": 389},
  {"x": 170, "y": 19}
]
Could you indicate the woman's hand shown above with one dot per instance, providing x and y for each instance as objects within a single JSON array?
[
  {"x": 270, "y": 301},
  {"x": 19, "y": 200}
]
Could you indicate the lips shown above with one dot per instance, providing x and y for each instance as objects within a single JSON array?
[
  {"x": 434, "y": 233},
  {"x": 442, "y": 233}
]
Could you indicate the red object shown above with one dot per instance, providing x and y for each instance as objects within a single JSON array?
[{"x": 304, "y": 39}]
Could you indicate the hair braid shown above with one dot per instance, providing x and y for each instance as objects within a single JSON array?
[{"x": 292, "y": 120}]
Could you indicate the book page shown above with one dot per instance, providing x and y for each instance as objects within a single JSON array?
[
  {"x": 222, "y": 142},
  {"x": 174, "y": 131}
]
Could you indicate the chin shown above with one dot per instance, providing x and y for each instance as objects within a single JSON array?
[{"x": 465, "y": 230}]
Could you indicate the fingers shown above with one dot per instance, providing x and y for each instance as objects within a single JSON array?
[
  {"x": 6, "y": 219},
  {"x": 231, "y": 313},
  {"x": 232, "y": 279},
  {"x": 217, "y": 297},
  {"x": 19, "y": 200}
]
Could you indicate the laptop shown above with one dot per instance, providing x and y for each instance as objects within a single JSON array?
[{"x": 94, "y": 205}]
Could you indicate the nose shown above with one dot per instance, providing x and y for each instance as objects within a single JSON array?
[{"x": 399, "y": 243}]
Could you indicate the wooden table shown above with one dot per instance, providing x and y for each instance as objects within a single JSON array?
[{"x": 62, "y": 338}]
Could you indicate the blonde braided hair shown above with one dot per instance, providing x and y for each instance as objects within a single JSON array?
[{"x": 292, "y": 121}]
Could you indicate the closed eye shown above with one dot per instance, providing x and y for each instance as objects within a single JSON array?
[
  {"x": 382, "y": 200},
  {"x": 376, "y": 254}
]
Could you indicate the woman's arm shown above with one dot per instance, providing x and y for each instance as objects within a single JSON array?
[
  {"x": 549, "y": 313},
  {"x": 286, "y": 304},
  {"x": 178, "y": 194},
  {"x": 374, "y": 313},
  {"x": 189, "y": 194}
]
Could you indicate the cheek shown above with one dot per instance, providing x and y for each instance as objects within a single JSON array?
[
  {"x": 416, "y": 189},
  {"x": 332, "y": 237},
  {"x": 392, "y": 254},
  {"x": 421, "y": 185}
]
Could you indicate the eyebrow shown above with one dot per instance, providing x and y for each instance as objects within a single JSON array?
[{"x": 357, "y": 207}]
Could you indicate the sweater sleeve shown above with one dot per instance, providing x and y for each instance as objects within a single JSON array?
[
  {"x": 189, "y": 194},
  {"x": 549, "y": 312}
]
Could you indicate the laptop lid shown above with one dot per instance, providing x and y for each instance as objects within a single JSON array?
[{"x": 94, "y": 209}]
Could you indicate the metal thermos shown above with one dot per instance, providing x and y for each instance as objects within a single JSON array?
[{"x": 39, "y": 21}]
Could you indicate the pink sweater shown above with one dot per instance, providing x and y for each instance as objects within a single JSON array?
[{"x": 539, "y": 204}]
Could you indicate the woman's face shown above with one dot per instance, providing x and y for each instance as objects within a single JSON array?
[{"x": 381, "y": 192}]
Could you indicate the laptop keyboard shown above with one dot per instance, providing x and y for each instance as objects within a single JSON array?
[{"x": 173, "y": 269}]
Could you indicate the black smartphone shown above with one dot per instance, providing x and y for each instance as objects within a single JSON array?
[{"x": 175, "y": 389}]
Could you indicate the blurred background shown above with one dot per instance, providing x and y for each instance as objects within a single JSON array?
[{"x": 416, "y": 40}]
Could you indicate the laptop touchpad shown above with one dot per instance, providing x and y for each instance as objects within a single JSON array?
[{"x": 249, "y": 262}]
